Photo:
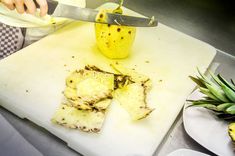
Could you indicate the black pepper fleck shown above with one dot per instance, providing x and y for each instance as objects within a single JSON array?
[
  {"x": 129, "y": 32},
  {"x": 118, "y": 29}
]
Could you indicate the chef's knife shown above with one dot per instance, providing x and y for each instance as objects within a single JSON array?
[{"x": 90, "y": 15}]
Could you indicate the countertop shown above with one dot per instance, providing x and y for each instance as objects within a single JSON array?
[{"x": 212, "y": 21}]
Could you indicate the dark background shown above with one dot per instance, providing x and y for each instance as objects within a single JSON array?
[{"x": 212, "y": 21}]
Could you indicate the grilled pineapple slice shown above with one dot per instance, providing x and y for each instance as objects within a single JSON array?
[
  {"x": 86, "y": 88},
  {"x": 133, "y": 99},
  {"x": 231, "y": 131},
  {"x": 114, "y": 41},
  {"x": 85, "y": 120}
]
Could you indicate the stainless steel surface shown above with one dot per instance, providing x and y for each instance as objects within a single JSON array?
[
  {"x": 90, "y": 15},
  {"x": 12, "y": 143},
  {"x": 212, "y": 21}
]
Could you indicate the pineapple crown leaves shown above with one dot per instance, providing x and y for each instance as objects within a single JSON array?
[{"x": 219, "y": 94}]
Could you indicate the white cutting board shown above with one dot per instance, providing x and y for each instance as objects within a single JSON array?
[{"x": 32, "y": 81}]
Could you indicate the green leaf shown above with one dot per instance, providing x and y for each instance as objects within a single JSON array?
[
  {"x": 215, "y": 78},
  {"x": 224, "y": 106},
  {"x": 232, "y": 82},
  {"x": 202, "y": 101},
  {"x": 207, "y": 106},
  {"x": 226, "y": 87},
  {"x": 198, "y": 81},
  {"x": 202, "y": 75},
  {"x": 217, "y": 92},
  {"x": 204, "y": 78},
  {"x": 228, "y": 92},
  {"x": 231, "y": 110},
  {"x": 226, "y": 83},
  {"x": 208, "y": 93}
]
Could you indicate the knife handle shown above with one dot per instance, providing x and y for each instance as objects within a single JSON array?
[{"x": 51, "y": 6}]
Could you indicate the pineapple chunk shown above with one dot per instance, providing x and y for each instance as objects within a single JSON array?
[
  {"x": 86, "y": 88},
  {"x": 113, "y": 41},
  {"x": 133, "y": 99},
  {"x": 231, "y": 131},
  {"x": 85, "y": 120}
]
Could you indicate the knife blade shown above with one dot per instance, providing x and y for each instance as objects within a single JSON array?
[{"x": 90, "y": 15}]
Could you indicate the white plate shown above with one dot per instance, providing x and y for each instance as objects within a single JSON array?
[
  {"x": 186, "y": 152},
  {"x": 207, "y": 129}
]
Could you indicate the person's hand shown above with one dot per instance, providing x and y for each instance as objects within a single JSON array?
[{"x": 26, "y": 6}]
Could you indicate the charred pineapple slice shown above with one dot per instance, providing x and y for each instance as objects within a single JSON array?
[
  {"x": 133, "y": 99},
  {"x": 231, "y": 131},
  {"x": 86, "y": 88},
  {"x": 85, "y": 120},
  {"x": 114, "y": 41}
]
